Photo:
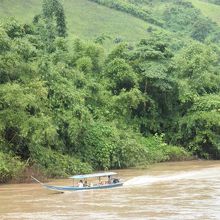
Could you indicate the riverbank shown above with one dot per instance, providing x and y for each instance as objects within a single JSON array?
[{"x": 25, "y": 176}]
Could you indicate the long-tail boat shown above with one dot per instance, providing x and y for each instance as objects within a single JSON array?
[{"x": 87, "y": 182}]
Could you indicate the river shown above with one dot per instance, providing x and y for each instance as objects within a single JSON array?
[{"x": 177, "y": 190}]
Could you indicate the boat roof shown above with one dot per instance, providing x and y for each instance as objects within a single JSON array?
[{"x": 93, "y": 175}]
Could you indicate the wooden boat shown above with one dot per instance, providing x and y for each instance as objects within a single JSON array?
[{"x": 85, "y": 182}]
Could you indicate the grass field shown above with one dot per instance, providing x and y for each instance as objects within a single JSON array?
[
  {"x": 210, "y": 10},
  {"x": 85, "y": 19},
  {"x": 88, "y": 20},
  {"x": 21, "y": 9}
]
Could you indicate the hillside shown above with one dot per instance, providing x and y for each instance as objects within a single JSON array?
[
  {"x": 89, "y": 19},
  {"x": 180, "y": 17},
  {"x": 208, "y": 9},
  {"x": 71, "y": 104},
  {"x": 85, "y": 19}
]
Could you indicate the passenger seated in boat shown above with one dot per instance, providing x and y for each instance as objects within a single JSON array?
[
  {"x": 85, "y": 184},
  {"x": 115, "y": 180},
  {"x": 80, "y": 184},
  {"x": 109, "y": 180}
]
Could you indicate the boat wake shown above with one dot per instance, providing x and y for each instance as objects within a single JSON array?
[{"x": 148, "y": 180}]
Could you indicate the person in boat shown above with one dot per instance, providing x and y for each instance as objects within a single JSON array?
[
  {"x": 109, "y": 180},
  {"x": 80, "y": 184},
  {"x": 85, "y": 184},
  {"x": 115, "y": 180}
]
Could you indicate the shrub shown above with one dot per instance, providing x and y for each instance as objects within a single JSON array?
[
  {"x": 175, "y": 153},
  {"x": 10, "y": 167},
  {"x": 131, "y": 8},
  {"x": 55, "y": 164},
  {"x": 84, "y": 64},
  {"x": 160, "y": 151}
]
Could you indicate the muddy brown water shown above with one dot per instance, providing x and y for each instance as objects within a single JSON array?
[{"x": 182, "y": 190}]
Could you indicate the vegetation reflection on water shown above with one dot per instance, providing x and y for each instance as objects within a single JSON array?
[{"x": 183, "y": 190}]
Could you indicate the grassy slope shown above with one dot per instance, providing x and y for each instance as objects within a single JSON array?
[
  {"x": 85, "y": 19},
  {"x": 21, "y": 9},
  {"x": 88, "y": 20},
  {"x": 210, "y": 10}
]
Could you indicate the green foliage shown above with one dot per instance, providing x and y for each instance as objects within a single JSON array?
[
  {"x": 199, "y": 129},
  {"x": 99, "y": 140},
  {"x": 217, "y": 2},
  {"x": 84, "y": 64},
  {"x": 4, "y": 41},
  {"x": 55, "y": 164},
  {"x": 152, "y": 89},
  {"x": 10, "y": 167},
  {"x": 158, "y": 151},
  {"x": 182, "y": 16},
  {"x": 199, "y": 132},
  {"x": 88, "y": 56},
  {"x": 105, "y": 146},
  {"x": 53, "y": 10},
  {"x": 23, "y": 117},
  {"x": 194, "y": 67},
  {"x": 13, "y": 29},
  {"x": 131, "y": 8},
  {"x": 198, "y": 79},
  {"x": 121, "y": 75},
  {"x": 175, "y": 153},
  {"x": 50, "y": 23},
  {"x": 126, "y": 102},
  {"x": 68, "y": 107}
]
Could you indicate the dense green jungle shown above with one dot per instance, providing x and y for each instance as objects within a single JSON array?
[{"x": 107, "y": 84}]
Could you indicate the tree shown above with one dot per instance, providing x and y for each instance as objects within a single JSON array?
[
  {"x": 199, "y": 129},
  {"x": 53, "y": 12},
  {"x": 198, "y": 83},
  {"x": 194, "y": 67},
  {"x": 121, "y": 75},
  {"x": 149, "y": 61}
]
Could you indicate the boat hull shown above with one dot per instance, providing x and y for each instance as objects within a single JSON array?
[{"x": 73, "y": 188}]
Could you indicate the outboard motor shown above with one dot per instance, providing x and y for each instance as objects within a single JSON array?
[{"x": 115, "y": 181}]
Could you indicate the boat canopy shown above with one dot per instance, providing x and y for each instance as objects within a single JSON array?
[{"x": 93, "y": 175}]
